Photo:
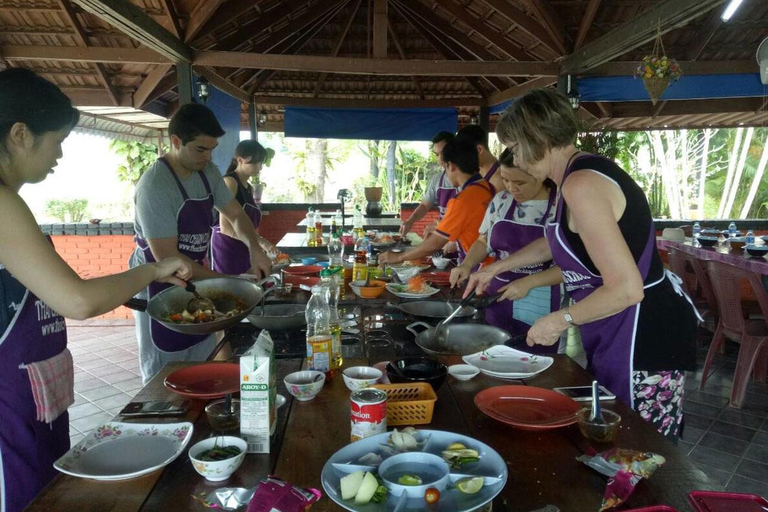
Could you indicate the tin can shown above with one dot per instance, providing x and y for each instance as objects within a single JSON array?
[{"x": 368, "y": 413}]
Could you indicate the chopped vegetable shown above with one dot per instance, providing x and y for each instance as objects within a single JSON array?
[
  {"x": 350, "y": 484},
  {"x": 367, "y": 489},
  {"x": 417, "y": 284},
  {"x": 409, "y": 480},
  {"x": 470, "y": 485},
  {"x": 404, "y": 440},
  {"x": 457, "y": 457},
  {"x": 219, "y": 453},
  {"x": 381, "y": 492},
  {"x": 432, "y": 496}
]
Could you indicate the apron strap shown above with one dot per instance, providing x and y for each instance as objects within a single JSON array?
[{"x": 176, "y": 178}]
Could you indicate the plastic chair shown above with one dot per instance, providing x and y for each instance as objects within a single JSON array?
[
  {"x": 751, "y": 334},
  {"x": 703, "y": 297}
]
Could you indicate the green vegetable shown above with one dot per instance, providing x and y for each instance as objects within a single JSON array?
[
  {"x": 219, "y": 453},
  {"x": 409, "y": 480},
  {"x": 380, "y": 494}
]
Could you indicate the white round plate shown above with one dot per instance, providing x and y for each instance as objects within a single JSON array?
[
  {"x": 508, "y": 363},
  {"x": 491, "y": 467},
  {"x": 119, "y": 451}
]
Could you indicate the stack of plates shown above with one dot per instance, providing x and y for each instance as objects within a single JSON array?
[{"x": 504, "y": 362}]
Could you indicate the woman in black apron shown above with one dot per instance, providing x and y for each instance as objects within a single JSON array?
[
  {"x": 37, "y": 289},
  {"x": 636, "y": 323},
  {"x": 228, "y": 254}
]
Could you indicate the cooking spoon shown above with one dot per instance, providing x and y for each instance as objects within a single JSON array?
[
  {"x": 438, "y": 334},
  {"x": 198, "y": 303},
  {"x": 596, "y": 415}
]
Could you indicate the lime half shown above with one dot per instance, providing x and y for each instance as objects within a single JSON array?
[
  {"x": 470, "y": 485},
  {"x": 415, "y": 480}
]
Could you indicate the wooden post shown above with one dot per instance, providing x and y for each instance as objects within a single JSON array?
[
  {"x": 184, "y": 79},
  {"x": 485, "y": 118},
  {"x": 253, "y": 122},
  {"x": 380, "y": 29}
]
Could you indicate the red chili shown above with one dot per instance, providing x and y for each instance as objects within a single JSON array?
[{"x": 432, "y": 496}]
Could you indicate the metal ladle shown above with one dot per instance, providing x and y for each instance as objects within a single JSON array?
[
  {"x": 596, "y": 415},
  {"x": 198, "y": 303}
]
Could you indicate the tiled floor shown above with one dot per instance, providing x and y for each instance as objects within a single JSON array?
[
  {"x": 731, "y": 445},
  {"x": 106, "y": 372}
]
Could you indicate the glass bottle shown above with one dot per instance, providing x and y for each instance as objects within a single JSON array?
[
  {"x": 310, "y": 227},
  {"x": 357, "y": 224},
  {"x": 336, "y": 259},
  {"x": 360, "y": 270},
  {"x": 319, "y": 341},
  {"x": 332, "y": 291}
]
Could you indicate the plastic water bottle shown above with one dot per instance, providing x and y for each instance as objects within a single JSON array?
[
  {"x": 332, "y": 295},
  {"x": 357, "y": 224},
  {"x": 731, "y": 230},
  {"x": 319, "y": 339},
  {"x": 310, "y": 223},
  {"x": 336, "y": 222},
  {"x": 696, "y": 230},
  {"x": 750, "y": 237}
]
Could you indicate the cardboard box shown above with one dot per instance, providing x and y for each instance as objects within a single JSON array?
[{"x": 257, "y": 394}]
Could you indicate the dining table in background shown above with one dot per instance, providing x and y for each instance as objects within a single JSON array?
[
  {"x": 543, "y": 466},
  {"x": 388, "y": 223},
  {"x": 721, "y": 252}
]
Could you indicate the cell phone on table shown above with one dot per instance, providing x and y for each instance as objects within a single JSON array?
[
  {"x": 156, "y": 408},
  {"x": 584, "y": 393}
]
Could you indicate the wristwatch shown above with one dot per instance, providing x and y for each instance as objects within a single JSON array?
[{"x": 568, "y": 318}]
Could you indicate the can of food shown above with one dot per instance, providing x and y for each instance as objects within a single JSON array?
[{"x": 368, "y": 413}]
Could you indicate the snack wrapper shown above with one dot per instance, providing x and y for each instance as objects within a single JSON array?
[
  {"x": 275, "y": 495},
  {"x": 625, "y": 468}
]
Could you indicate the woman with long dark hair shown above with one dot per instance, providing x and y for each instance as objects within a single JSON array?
[
  {"x": 38, "y": 289},
  {"x": 228, "y": 254}
]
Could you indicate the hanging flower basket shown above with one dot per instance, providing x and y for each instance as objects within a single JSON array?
[{"x": 657, "y": 70}]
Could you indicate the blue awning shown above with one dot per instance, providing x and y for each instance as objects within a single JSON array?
[{"x": 370, "y": 124}]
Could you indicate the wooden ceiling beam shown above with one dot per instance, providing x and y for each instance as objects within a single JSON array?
[
  {"x": 687, "y": 107},
  {"x": 401, "y": 52},
  {"x": 166, "y": 84},
  {"x": 292, "y": 46},
  {"x": 658, "y": 108},
  {"x": 664, "y": 16},
  {"x": 339, "y": 41},
  {"x": 366, "y": 103},
  {"x": 552, "y": 22},
  {"x": 528, "y": 25},
  {"x": 605, "y": 107},
  {"x": 586, "y": 22},
  {"x": 148, "y": 85},
  {"x": 442, "y": 48},
  {"x": 246, "y": 32},
  {"x": 199, "y": 16},
  {"x": 80, "y": 36},
  {"x": 173, "y": 16},
  {"x": 519, "y": 90},
  {"x": 704, "y": 34},
  {"x": 357, "y": 66},
  {"x": 133, "y": 21},
  {"x": 222, "y": 83},
  {"x": 80, "y": 54},
  {"x": 495, "y": 37},
  {"x": 234, "y": 9},
  {"x": 380, "y": 16}
]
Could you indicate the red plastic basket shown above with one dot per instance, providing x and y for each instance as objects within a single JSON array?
[
  {"x": 712, "y": 501},
  {"x": 655, "y": 508}
]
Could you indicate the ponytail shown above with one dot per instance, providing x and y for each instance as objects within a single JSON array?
[{"x": 232, "y": 166}]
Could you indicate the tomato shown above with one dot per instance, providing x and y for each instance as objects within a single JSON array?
[{"x": 432, "y": 496}]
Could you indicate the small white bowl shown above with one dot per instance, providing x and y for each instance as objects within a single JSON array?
[
  {"x": 405, "y": 273},
  {"x": 463, "y": 371},
  {"x": 432, "y": 469},
  {"x": 440, "y": 263},
  {"x": 219, "y": 470},
  {"x": 304, "y": 385},
  {"x": 359, "y": 377}
]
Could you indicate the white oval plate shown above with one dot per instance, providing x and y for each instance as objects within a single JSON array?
[
  {"x": 393, "y": 289},
  {"x": 507, "y": 363},
  {"x": 119, "y": 451}
]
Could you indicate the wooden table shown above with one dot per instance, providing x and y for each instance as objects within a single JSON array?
[
  {"x": 385, "y": 222},
  {"x": 720, "y": 252},
  {"x": 542, "y": 465}
]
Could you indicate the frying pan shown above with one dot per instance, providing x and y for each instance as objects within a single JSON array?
[
  {"x": 279, "y": 317},
  {"x": 432, "y": 309},
  {"x": 458, "y": 339},
  {"x": 174, "y": 300}
]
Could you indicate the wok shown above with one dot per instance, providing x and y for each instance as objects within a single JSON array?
[
  {"x": 432, "y": 309},
  {"x": 174, "y": 300},
  {"x": 459, "y": 339},
  {"x": 279, "y": 317}
]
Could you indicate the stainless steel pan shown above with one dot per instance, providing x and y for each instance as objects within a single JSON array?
[
  {"x": 279, "y": 317},
  {"x": 174, "y": 300},
  {"x": 432, "y": 309},
  {"x": 458, "y": 339}
]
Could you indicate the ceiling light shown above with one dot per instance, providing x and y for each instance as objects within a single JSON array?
[
  {"x": 203, "y": 89},
  {"x": 730, "y": 10},
  {"x": 573, "y": 95}
]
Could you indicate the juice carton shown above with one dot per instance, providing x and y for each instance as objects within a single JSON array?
[{"x": 257, "y": 394}]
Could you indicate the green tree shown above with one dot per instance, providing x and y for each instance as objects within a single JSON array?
[
  {"x": 72, "y": 210},
  {"x": 137, "y": 158}
]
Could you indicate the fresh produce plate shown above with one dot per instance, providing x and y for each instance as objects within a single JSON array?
[{"x": 375, "y": 450}]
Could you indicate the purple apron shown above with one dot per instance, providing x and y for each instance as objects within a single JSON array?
[
  {"x": 229, "y": 255},
  {"x": 609, "y": 342},
  {"x": 476, "y": 181},
  {"x": 507, "y": 237},
  {"x": 28, "y": 448},
  {"x": 444, "y": 194},
  {"x": 193, "y": 220}
]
